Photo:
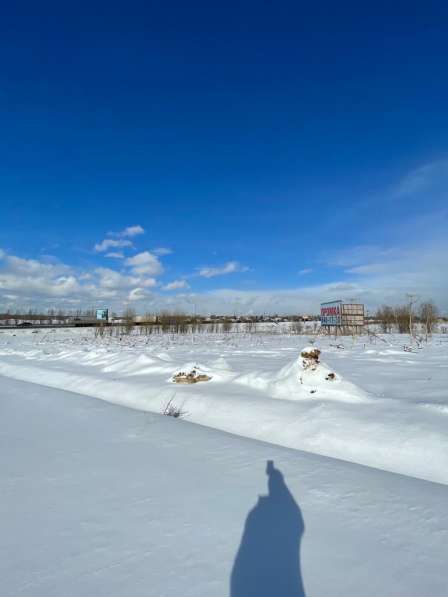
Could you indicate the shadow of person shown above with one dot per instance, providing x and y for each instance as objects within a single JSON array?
[{"x": 268, "y": 559}]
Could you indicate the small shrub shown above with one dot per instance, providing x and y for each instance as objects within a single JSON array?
[
  {"x": 172, "y": 410},
  {"x": 296, "y": 327}
]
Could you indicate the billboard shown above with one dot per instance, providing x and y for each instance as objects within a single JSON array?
[
  {"x": 102, "y": 314},
  {"x": 331, "y": 313},
  {"x": 353, "y": 314}
]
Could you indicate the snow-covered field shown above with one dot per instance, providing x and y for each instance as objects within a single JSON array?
[
  {"x": 98, "y": 500},
  {"x": 386, "y": 408},
  {"x": 103, "y": 500}
]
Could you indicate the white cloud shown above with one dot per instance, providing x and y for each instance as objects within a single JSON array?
[
  {"x": 33, "y": 277},
  {"x": 137, "y": 294},
  {"x": 132, "y": 231},
  {"x": 148, "y": 282},
  {"x": 109, "y": 278},
  {"x": 374, "y": 275},
  {"x": 145, "y": 263},
  {"x": 31, "y": 283},
  {"x": 115, "y": 255},
  {"x": 228, "y": 268},
  {"x": 111, "y": 243},
  {"x": 176, "y": 285},
  {"x": 33, "y": 266},
  {"x": 304, "y": 272},
  {"x": 161, "y": 251}
]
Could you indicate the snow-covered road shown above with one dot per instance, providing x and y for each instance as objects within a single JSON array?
[{"x": 99, "y": 500}]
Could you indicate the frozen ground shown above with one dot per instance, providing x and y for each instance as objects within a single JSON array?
[
  {"x": 386, "y": 408},
  {"x": 103, "y": 501}
]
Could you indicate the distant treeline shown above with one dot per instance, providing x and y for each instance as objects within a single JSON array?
[
  {"x": 164, "y": 318},
  {"x": 403, "y": 318},
  {"x": 181, "y": 323},
  {"x": 49, "y": 317},
  {"x": 398, "y": 318}
]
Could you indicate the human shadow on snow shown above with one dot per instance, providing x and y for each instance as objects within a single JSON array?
[{"x": 268, "y": 560}]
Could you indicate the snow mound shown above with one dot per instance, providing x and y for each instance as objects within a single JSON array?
[
  {"x": 305, "y": 378},
  {"x": 298, "y": 382}
]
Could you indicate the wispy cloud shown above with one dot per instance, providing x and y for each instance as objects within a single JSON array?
[
  {"x": 112, "y": 243},
  {"x": 132, "y": 231},
  {"x": 115, "y": 255},
  {"x": 370, "y": 268},
  {"x": 176, "y": 285},
  {"x": 161, "y": 251},
  {"x": 228, "y": 268},
  {"x": 431, "y": 177},
  {"x": 357, "y": 255},
  {"x": 304, "y": 272},
  {"x": 120, "y": 241}
]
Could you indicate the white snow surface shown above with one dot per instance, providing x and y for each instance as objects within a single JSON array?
[
  {"x": 386, "y": 408},
  {"x": 104, "y": 501}
]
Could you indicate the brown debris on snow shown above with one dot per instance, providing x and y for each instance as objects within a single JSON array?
[
  {"x": 310, "y": 357},
  {"x": 188, "y": 378},
  {"x": 311, "y": 354},
  {"x": 331, "y": 376}
]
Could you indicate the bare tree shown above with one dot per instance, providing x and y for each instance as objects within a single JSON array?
[
  {"x": 412, "y": 301},
  {"x": 428, "y": 316},
  {"x": 401, "y": 316},
  {"x": 129, "y": 319},
  {"x": 296, "y": 327},
  {"x": 227, "y": 326},
  {"x": 385, "y": 317}
]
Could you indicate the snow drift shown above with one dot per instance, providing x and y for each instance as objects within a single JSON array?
[{"x": 258, "y": 389}]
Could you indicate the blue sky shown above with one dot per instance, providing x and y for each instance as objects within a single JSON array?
[{"x": 237, "y": 157}]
